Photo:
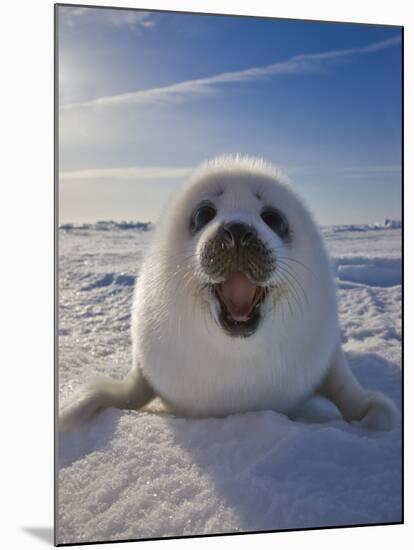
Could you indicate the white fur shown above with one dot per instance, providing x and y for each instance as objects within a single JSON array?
[{"x": 185, "y": 355}]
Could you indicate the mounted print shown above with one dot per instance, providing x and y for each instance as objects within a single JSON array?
[{"x": 229, "y": 293}]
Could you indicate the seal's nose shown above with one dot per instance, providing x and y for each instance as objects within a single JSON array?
[{"x": 238, "y": 234}]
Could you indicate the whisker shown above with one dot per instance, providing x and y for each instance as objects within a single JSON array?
[
  {"x": 286, "y": 269},
  {"x": 294, "y": 260}
]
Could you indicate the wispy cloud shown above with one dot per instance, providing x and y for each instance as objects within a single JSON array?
[
  {"x": 349, "y": 171},
  {"x": 117, "y": 18},
  {"x": 146, "y": 173},
  {"x": 126, "y": 173},
  {"x": 373, "y": 171},
  {"x": 299, "y": 64}
]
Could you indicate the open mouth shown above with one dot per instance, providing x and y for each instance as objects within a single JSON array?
[{"x": 240, "y": 301}]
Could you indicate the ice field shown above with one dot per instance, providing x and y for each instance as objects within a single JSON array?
[{"x": 150, "y": 474}]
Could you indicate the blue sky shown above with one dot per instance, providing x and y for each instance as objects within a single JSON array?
[{"x": 144, "y": 97}]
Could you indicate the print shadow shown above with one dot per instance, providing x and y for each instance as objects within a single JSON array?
[
  {"x": 315, "y": 464},
  {"x": 44, "y": 534}
]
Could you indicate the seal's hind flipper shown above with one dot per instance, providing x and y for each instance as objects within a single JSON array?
[
  {"x": 367, "y": 408},
  {"x": 131, "y": 393}
]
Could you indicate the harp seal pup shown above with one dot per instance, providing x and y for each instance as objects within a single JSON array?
[{"x": 235, "y": 308}]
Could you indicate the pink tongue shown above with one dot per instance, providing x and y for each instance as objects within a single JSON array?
[{"x": 238, "y": 292}]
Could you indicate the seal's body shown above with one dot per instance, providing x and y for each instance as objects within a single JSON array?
[
  {"x": 235, "y": 308},
  {"x": 185, "y": 354}
]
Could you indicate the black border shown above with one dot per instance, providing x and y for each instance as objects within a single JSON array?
[
  {"x": 56, "y": 272},
  {"x": 154, "y": 10},
  {"x": 300, "y": 529},
  {"x": 402, "y": 274}
]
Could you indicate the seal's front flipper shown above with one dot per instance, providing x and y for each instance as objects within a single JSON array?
[
  {"x": 370, "y": 409},
  {"x": 131, "y": 393}
]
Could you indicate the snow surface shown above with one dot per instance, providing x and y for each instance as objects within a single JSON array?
[{"x": 150, "y": 474}]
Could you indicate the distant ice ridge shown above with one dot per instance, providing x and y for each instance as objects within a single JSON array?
[
  {"x": 107, "y": 225},
  {"x": 392, "y": 224},
  {"x": 381, "y": 272},
  {"x": 387, "y": 224},
  {"x": 145, "y": 226}
]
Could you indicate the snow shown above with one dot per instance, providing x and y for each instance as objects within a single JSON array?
[{"x": 131, "y": 475}]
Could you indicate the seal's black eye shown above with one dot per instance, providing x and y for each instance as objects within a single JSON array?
[
  {"x": 201, "y": 216},
  {"x": 276, "y": 221}
]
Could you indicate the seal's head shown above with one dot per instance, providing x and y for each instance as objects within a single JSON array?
[
  {"x": 246, "y": 239},
  {"x": 237, "y": 249}
]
